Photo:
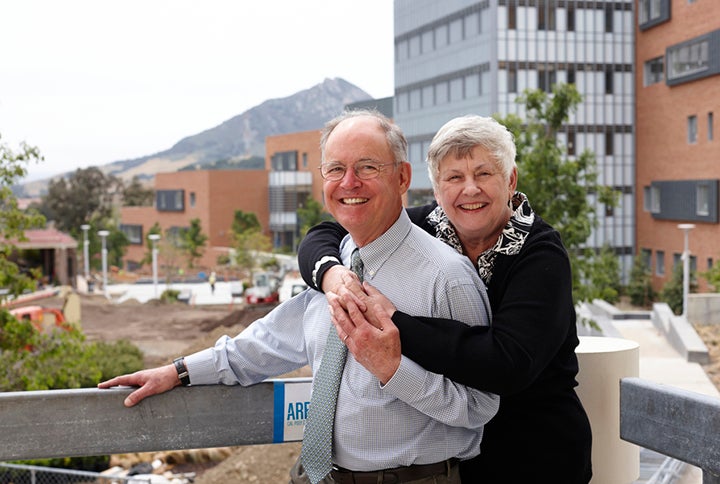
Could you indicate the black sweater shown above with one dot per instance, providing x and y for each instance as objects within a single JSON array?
[{"x": 527, "y": 356}]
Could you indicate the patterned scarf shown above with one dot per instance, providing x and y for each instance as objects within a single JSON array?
[{"x": 510, "y": 241}]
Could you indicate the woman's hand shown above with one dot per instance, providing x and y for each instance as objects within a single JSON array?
[{"x": 369, "y": 333}]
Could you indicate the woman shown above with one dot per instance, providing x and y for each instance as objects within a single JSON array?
[{"x": 527, "y": 355}]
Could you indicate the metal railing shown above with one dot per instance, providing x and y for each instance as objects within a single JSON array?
[
  {"x": 69, "y": 423},
  {"x": 677, "y": 423}
]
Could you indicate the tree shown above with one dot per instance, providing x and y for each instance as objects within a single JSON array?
[
  {"x": 672, "y": 291},
  {"x": 193, "y": 242},
  {"x": 556, "y": 183},
  {"x": 244, "y": 222},
  {"x": 86, "y": 195},
  {"x": 712, "y": 276},
  {"x": 311, "y": 214},
  {"x": 605, "y": 275},
  {"x": 135, "y": 194},
  {"x": 13, "y": 221},
  {"x": 640, "y": 287},
  {"x": 154, "y": 230},
  {"x": 248, "y": 240}
]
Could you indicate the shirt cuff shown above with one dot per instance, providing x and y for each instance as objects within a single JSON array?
[
  {"x": 408, "y": 380},
  {"x": 201, "y": 369}
]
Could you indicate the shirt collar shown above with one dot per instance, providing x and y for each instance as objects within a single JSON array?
[{"x": 379, "y": 250}]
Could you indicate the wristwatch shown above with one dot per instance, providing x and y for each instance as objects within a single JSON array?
[{"x": 182, "y": 371}]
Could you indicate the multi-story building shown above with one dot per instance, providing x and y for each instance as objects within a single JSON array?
[
  {"x": 293, "y": 161},
  {"x": 470, "y": 56},
  {"x": 678, "y": 155},
  {"x": 212, "y": 196}
]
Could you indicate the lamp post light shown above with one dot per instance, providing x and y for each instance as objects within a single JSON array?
[
  {"x": 154, "y": 238},
  {"x": 103, "y": 234},
  {"x": 686, "y": 228},
  {"x": 86, "y": 252}
]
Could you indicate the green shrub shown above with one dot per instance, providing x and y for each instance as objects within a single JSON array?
[{"x": 169, "y": 295}]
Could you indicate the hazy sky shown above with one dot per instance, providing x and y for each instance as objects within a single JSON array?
[{"x": 90, "y": 82}]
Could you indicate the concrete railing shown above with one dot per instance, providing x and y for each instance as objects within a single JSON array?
[{"x": 66, "y": 423}]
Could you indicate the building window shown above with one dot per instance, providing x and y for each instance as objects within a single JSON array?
[
  {"x": 546, "y": 78},
  {"x": 304, "y": 160},
  {"x": 170, "y": 200},
  {"x": 645, "y": 257},
  {"x": 512, "y": 15},
  {"x": 512, "y": 79},
  {"x": 709, "y": 263},
  {"x": 702, "y": 192},
  {"x": 192, "y": 199},
  {"x": 134, "y": 233},
  {"x": 687, "y": 59},
  {"x": 546, "y": 15},
  {"x": 653, "y": 11},
  {"x": 711, "y": 126},
  {"x": 660, "y": 263},
  {"x": 609, "y": 11},
  {"x": 692, "y": 129},
  {"x": 651, "y": 199},
  {"x": 571, "y": 19},
  {"x": 654, "y": 71},
  {"x": 284, "y": 161},
  {"x": 609, "y": 143},
  {"x": 571, "y": 143},
  {"x": 609, "y": 87}
]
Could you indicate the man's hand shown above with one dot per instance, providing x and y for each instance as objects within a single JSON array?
[
  {"x": 151, "y": 382},
  {"x": 370, "y": 335}
]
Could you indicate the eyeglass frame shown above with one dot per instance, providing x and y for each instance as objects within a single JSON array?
[{"x": 379, "y": 166}]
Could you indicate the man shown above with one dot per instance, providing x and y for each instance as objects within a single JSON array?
[{"x": 393, "y": 419}]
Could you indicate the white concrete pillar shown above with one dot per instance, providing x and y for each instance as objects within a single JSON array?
[{"x": 603, "y": 362}]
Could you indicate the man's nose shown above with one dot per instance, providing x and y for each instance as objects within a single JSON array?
[{"x": 350, "y": 179}]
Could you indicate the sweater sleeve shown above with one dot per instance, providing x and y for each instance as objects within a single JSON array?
[
  {"x": 532, "y": 318},
  {"x": 318, "y": 252}
]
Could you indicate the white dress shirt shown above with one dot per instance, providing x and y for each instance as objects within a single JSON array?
[{"x": 417, "y": 417}]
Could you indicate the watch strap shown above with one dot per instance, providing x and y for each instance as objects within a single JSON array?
[{"x": 182, "y": 371}]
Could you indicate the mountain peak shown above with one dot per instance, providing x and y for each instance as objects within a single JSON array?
[{"x": 240, "y": 137}]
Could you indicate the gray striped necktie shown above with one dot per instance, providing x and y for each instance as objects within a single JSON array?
[{"x": 316, "y": 452}]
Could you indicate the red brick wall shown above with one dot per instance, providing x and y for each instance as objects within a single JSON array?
[{"x": 662, "y": 148}]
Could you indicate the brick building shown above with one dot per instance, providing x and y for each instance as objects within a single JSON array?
[
  {"x": 212, "y": 196},
  {"x": 677, "y": 151}
]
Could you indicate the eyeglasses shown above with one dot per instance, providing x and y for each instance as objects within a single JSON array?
[{"x": 365, "y": 170}]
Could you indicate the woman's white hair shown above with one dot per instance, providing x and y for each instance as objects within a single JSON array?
[{"x": 460, "y": 135}]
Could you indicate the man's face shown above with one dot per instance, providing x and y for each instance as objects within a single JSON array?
[{"x": 366, "y": 208}]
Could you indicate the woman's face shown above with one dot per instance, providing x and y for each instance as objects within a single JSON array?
[{"x": 474, "y": 194}]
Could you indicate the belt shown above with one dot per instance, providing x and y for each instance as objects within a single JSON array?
[{"x": 396, "y": 475}]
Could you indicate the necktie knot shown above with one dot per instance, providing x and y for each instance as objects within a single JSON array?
[{"x": 356, "y": 264}]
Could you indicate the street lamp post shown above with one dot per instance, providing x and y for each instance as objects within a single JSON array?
[
  {"x": 86, "y": 253},
  {"x": 103, "y": 234},
  {"x": 686, "y": 228},
  {"x": 154, "y": 238}
]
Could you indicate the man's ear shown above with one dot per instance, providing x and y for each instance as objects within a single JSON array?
[{"x": 405, "y": 176}]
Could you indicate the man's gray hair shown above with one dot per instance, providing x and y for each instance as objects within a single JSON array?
[{"x": 394, "y": 135}]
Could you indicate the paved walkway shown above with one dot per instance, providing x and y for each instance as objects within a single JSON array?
[{"x": 661, "y": 363}]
